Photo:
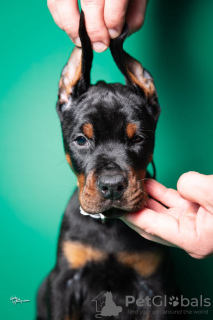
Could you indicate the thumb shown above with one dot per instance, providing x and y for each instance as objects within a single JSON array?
[{"x": 197, "y": 188}]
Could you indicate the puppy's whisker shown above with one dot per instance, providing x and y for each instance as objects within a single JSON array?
[{"x": 140, "y": 180}]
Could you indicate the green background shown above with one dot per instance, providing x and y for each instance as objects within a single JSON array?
[{"x": 176, "y": 46}]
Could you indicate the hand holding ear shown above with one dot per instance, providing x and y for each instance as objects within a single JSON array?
[
  {"x": 182, "y": 218},
  {"x": 104, "y": 19}
]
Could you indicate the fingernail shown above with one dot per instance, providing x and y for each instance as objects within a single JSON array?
[
  {"x": 113, "y": 33},
  {"x": 77, "y": 42},
  {"x": 99, "y": 46}
]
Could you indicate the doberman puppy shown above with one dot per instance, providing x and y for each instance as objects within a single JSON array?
[{"x": 108, "y": 134}]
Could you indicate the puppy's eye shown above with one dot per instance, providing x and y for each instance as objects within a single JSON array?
[
  {"x": 81, "y": 141},
  {"x": 137, "y": 139}
]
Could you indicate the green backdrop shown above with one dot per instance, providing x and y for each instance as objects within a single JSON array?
[{"x": 176, "y": 46}]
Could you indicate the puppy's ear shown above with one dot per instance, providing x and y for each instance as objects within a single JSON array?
[
  {"x": 75, "y": 77},
  {"x": 71, "y": 74},
  {"x": 135, "y": 74}
]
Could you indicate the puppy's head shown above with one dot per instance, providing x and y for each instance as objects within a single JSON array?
[{"x": 108, "y": 129}]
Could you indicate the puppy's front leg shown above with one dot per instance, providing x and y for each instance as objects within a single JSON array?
[
  {"x": 42, "y": 301},
  {"x": 65, "y": 294}
]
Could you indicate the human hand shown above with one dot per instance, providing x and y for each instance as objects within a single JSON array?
[
  {"x": 188, "y": 220},
  {"x": 104, "y": 19}
]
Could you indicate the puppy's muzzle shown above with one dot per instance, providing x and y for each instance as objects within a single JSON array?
[{"x": 112, "y": 186}]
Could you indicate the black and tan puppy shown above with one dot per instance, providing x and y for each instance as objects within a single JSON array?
[{"x": 108, "y": 133}]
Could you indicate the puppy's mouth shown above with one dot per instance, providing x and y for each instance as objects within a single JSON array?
[
  {"x": 114, "y": 213},
  {"x": 110, "y": 213},
  {"x": 103, "y": 197}
]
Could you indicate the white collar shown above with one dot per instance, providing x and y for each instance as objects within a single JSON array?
[{"x": 95, "y": 216}]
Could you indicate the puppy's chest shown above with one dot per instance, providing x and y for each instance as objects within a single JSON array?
[{"x": 114, "y": 246}]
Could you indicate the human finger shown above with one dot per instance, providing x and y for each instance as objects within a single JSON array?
[
  {"x": 68, "y": 13},
  {"x": 165, "y": 226},
  {"x": 197, "y": 187},
  {"x": 53, "y": 10},
  {"x": 95, "y": 25},
  {"x": 136, "y": 14},
  {"x": 155, "y": 205},
  {"x": 146, "y": 235},
  {"x": 114, "y": 16},
  {"x": 169, "y": 197}
]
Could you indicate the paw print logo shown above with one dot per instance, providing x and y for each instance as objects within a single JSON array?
[{"x": 174, "y": 301}]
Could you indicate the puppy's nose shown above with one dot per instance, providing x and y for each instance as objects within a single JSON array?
[{"x": 112, "y": 186}]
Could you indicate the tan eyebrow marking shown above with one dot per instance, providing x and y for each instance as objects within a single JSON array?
[
  {"x": 131, "y": 129},
  {"x": 88, "y": 130}
]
